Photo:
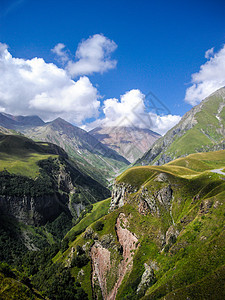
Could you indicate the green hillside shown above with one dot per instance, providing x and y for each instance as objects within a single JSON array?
[
  {"x": 175, "y": 213},
  {"x": 42, "y": 194},
  {"x": 160, "y": 235},
  {"x": 201, "y": 129},
  {"x": 14, "y": 285},
  {"x": 19, "y": 155}
]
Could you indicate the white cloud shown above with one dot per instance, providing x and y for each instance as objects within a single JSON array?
[
  {"x": 210, "y": 77},
  {"x": 35, "y": 87},
  {"x": 209, "y": 53},
  {"x": 130, "y": 110},
  {"x": 59, "y": 50},
  {"x": 93, "y": 55}
]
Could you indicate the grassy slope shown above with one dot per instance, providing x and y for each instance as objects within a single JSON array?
[
  {"x": 22, "y": 165},
  {"x": 99, "y": 209},
  {"x": 199, "y": 250},
  {"x": 190, "y": 265},
  {"x": 204, "y": 134},
  {"x": 20, "y": 155},
  {"x": 11, "y": 288}
]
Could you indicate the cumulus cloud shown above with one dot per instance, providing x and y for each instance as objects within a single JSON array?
[
  {"x": 93, "y": 55},
  {"x": 36, "y": 87},
  {"x": 32, "y": 86},
  {"x": 60, "y": 51},
  {"x": 210, "y": 77},
  {"x": 131, "y": 110}
]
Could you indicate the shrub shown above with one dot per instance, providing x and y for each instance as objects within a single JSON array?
[
  {"x": 99, "y": 226},
  {"x": 80, "y": 261}
]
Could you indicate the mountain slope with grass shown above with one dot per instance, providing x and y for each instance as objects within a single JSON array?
[
  {"x": 163, "y": 237},
  {"x": 201, "y": 129},
  {"x": 41, "y": 194},
  {"x": 130, "y": 142},
  {"x": 91, "y": 156}
]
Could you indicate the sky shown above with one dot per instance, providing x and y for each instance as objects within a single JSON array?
[{"x": 113, "y": 63}]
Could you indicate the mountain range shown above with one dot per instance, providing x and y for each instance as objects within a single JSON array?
[
  {"x": 159, "y": 236},
  {"x": 90, "y": 155}
]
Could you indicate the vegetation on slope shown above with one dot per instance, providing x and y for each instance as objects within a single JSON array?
[
  {"x": 41, "y": 196},
  {"x": 13, "y": 285},
  {"x": 200, "y": 130},
  {"x": 177, "y": 213},
  {"x": 185, "y": 264}
]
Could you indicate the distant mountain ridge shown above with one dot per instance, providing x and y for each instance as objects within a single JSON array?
[
  {"x": 18, "y": 122},
  {"x": 91, "y": 156},
  {"x": 130, "y": 142},
  {"x": 201, "y": 129}
]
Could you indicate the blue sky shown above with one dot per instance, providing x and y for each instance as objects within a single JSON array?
[{"x": 160, "y": 45}]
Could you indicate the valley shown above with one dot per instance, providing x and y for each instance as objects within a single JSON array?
[{"x": 154, "y": 231}]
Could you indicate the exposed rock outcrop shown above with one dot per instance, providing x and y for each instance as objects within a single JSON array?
[
  {"x": 147, "y": 279},
  {"x": 33, "y": 210},
  {"x": 152, "y": 202},
  {"x": 171, "y": 234},
  {"x": 100, "y": 268},
  {"x": 120, "y": 192}
]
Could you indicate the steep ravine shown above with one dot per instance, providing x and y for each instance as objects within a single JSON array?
[{"x": 103, "y": 262}]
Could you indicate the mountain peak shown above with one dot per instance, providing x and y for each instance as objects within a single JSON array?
[
  {"x": 201, "y": 129},
  {"x": 61, "y": 122},
  {"x": 129, "y": 141}
]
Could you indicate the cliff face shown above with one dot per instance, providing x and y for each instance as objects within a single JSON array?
[
  {"x": 59, "y": 188},
  {"x": 120, "y": 191},
  {"x": 148, "y": 201},
  {"x": 33, "y": 210}
]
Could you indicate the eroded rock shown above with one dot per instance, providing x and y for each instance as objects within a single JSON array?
[
  {"x": 105, "y": 265},
  {"x": 120, "y": 192},
  {"x": 171, "y": 234},
  {"x": 147, "y": 279}
]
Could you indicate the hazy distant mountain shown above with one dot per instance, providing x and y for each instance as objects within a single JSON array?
[
  {"x": 93, "y": 157},
  {"x": 19, "y": 122},
  {"x": 200, "y": 130},
  {"x": 130, "y": 142}
]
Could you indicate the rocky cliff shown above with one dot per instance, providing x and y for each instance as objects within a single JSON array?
[{"x": 59, "y": 188}]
